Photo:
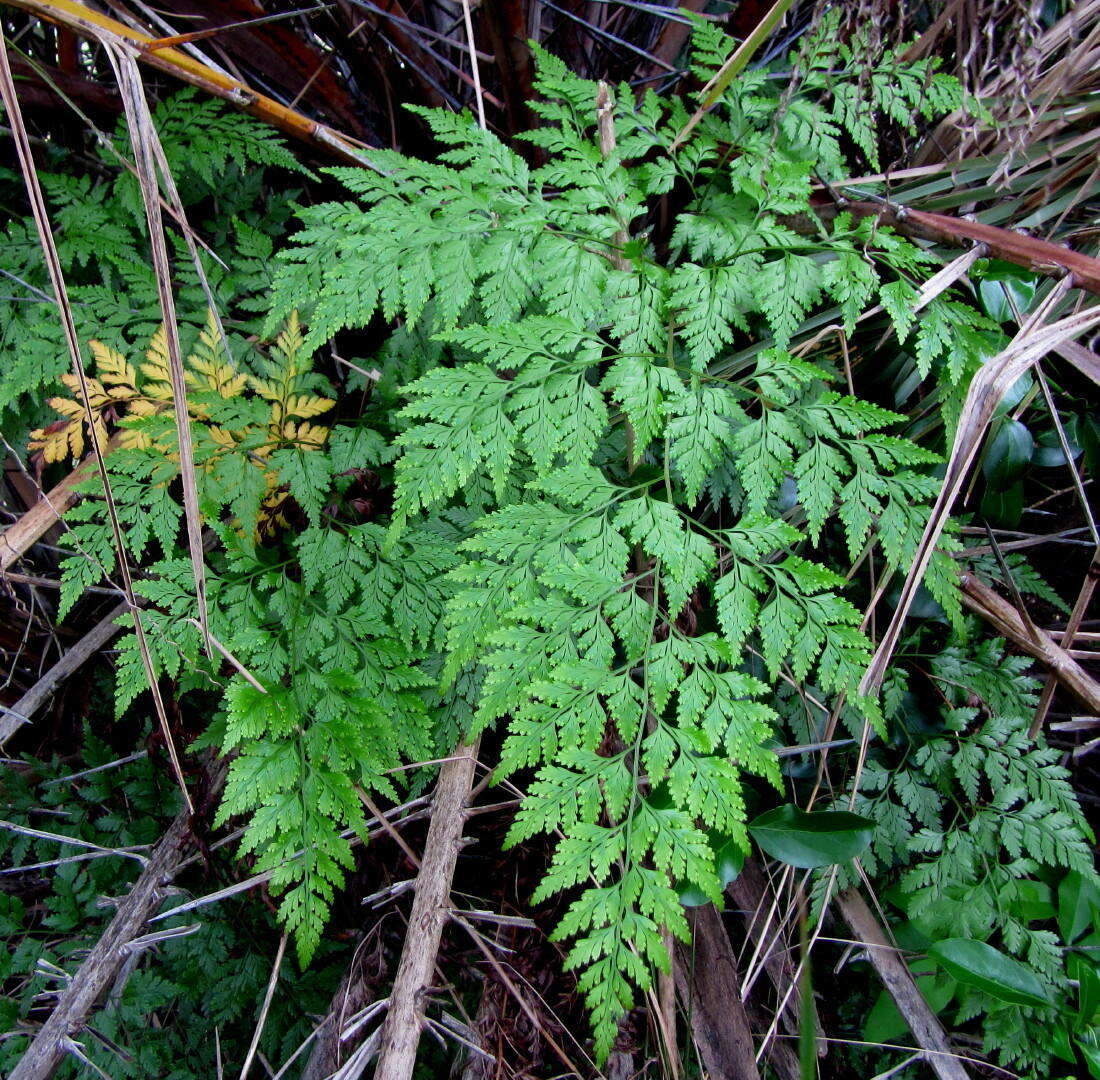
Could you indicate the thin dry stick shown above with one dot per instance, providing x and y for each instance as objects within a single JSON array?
[
  {"x": 1073, "y": 624},
  {"x": 666, "y": 1005},
  {"x": 400, "y": 1033},
  {"x": 255, "y": 1044},
  {"x": 982, "y": 600},
  {"x": 20, "y": 713},
  {"x": 101, "y": 968},
  {"x": 1063, "y": 442},
  {"x": 143, "y": 137},
  {"x": 21, "y": 536},
  {"x": 605, "y": 124},
  {"x": 57, "y": 279},
  {"x": 473, "y": 64},
  {"x": 900, "y": 985},
  {"x": 480, "y": 941},
  {"x": 1086, "y": 361},
  {"x": 749, "y": 892},
  {"x": 985, "y": 393},
  {"x": 733, "y": 67},
  {"x": 89, "y": 23}
]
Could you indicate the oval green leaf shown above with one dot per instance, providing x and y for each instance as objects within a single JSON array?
[
  {"x": 1078, "y": 905},
  {"x": 885, "y": 1024},
  {"x": 728, "y": 861},
  {"x": 811, "y": 840},
  {"x": 729, "y": 858},
  {"x": 1007, "y": 454},
  {"x": 1004, "y": 506},
  {"x": 996, "y": 289},
  {"x": 1048, "y": 449},
  {"x": 691, "y": 895},
  {"x": 974, "y": 963}
]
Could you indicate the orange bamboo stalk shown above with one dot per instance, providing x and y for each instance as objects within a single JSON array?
[
  {"x": 87, "y": 23},
  {"x": 1041, "y": 256}
]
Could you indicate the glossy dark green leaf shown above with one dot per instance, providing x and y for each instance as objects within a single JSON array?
[
  {"x": 1089, "y": 1046},
  {"x": 691, "y": 895},
  {"x": 1060, "y": 1044},
  {"x": 977, "y": 964},
  {"x": 1014, "y": 394},
  {"x": 1031, "y": 901},
  {"x": 1007, "y": 454},
  {"x": 1048, "y": 448},
  {"x": 728, "y": 861},
  {"x": 1078, "y": 905},
  {"x": 924, "y": 606},
  {"x": 1001, "y": 287},
  {"x": 1004, "y": 506},
  {"x": 809, "y": 840},
  {"x": 1082, "y": 970},
  {"x": 729, "y": 858}
]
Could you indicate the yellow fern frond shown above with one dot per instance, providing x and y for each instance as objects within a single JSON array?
[
  {"x": 305, "y": 405},
  {"x": 307, "y": 436},
  {"x": 289, "y": 343},
  {"x": 130, "y": 439},
  {"x": 222, "y": 437},
  {"x": 97, "y": 393},
  {"x": 113, "y": 369},
  {"x": 268, "y": 389},
  {"x": 72, "y": 410},
  {"x": 221, "y": 379},
  {"x": 52, "y": 441},
  {"x": 156, "y": 366},
  {"x": 158, "y": 391}
]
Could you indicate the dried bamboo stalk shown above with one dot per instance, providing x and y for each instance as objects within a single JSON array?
[
  {"x": 147, "y": 149},
  {"x": 92, "y": 24}
]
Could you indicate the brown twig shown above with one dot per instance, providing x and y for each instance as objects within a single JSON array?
[
  {"x": 1073, "y": 625},
  {"x": 20, "y": 713},
  {"x": 92, "y": 24},
  {"x": 99, "y": 971},
  {"x": 899, "y": 983},
  {"x": 1004, "y": 617},
  {"x": 1041, "y": 256},
  {"x": 431, "y": 907},
  {"x": 20, "y": 537}
]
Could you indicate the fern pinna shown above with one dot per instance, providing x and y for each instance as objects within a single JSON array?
[{"x": 634, "y": 494}]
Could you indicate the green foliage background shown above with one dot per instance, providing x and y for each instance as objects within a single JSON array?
[{"x": 630, "y": 525}]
